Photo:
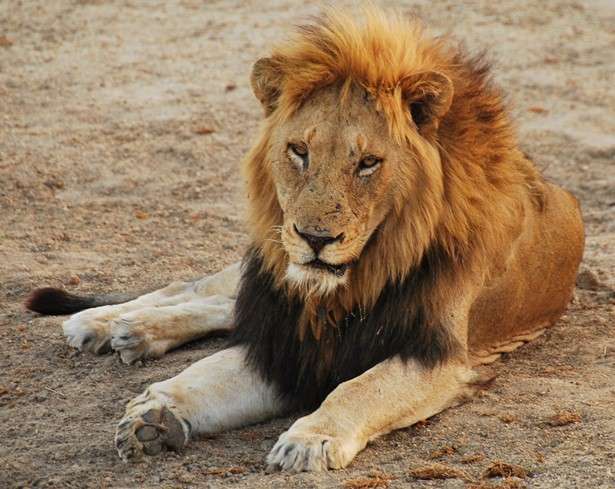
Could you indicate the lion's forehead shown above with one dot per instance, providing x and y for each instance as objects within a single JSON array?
[{"x": 329, "y": 117}]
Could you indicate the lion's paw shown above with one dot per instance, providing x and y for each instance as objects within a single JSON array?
[
  {"x": 147, "y": 428},
  {"x": 303, "y": 451},
  {"x": 129, "y": 338},
  {"x": 89, "y": 331}
]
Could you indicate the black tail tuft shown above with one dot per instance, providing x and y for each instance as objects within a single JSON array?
[{"x": 56, "y": 302}]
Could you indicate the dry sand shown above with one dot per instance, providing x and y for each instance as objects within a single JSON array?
[{"x": 121, "y": 128}]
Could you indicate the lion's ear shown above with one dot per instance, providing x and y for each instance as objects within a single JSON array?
[
  {"x": 428, "y": 96},
  {"x": 266, "y": 80}
]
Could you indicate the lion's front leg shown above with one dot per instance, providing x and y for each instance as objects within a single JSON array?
[
  {"x": 391, "y": 395},
  {"x": 215, "y": 394}
]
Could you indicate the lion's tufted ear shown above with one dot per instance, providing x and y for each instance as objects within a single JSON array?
[
  {"x": 266, "y": 79},
  {"x": 428, "y": 96}
]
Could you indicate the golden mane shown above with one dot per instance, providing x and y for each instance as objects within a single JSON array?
[{"x": 470, "y": 171}]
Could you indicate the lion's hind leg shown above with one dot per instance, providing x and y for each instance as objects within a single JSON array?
[
  {"x": 152, "y": 331},
  {"x": 180, "y": 305},
  {"x": 494, "y": 352}
]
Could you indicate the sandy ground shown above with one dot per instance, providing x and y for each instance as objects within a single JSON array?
[{"x": 121, "y": 128}]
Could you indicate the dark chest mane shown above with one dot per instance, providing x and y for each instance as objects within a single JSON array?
[{"x": 306, "y": 369}]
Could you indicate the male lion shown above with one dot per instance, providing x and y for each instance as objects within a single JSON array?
[{"x": 399, "y": 237}]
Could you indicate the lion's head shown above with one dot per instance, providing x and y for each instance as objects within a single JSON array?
[{"x": 351, "y": 180}]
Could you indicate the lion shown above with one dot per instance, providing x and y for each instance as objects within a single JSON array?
[{"x": 399, "y": 239}]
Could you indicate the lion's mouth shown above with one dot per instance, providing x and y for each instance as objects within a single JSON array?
[{"x": 337, "y": 270}]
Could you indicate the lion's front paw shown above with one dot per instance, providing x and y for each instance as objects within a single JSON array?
[
  {"x": 147, "y": 427},
  {"x": 298, "y": 451}
]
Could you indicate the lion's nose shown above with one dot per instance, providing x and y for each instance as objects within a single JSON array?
[{"x": 318, "y": 238}]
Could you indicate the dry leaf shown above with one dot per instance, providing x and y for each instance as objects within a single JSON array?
[
  {"x": 204, "y": 130},
  {"x": 564, "y": 418},
  {"x": 442, "y": 452},
  {"x": 5, "y": 42},
  {"x": 473, "y": 458},
  {"x": 74, "y": 280},
  {"x": 502, "y": 469}
]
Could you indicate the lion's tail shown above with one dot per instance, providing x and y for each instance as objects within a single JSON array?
[{"x": 56, "y": 302}]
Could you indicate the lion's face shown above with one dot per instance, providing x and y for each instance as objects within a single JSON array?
[
  {"x": 341, "y": 171},
  {"x": 334, "y": 166}
]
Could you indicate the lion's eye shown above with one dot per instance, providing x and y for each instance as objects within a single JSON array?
[
  {"x": 368, "y": 165},
  {"x": 298, "y": 154}
]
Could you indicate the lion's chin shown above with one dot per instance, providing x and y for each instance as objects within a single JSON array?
[{"x": 312, "y": 280}]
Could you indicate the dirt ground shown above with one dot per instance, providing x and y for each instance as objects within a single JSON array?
[{"x": 122, "y": 124}]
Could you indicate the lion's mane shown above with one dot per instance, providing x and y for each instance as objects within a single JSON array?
[{"x": 472, "y": 180}]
